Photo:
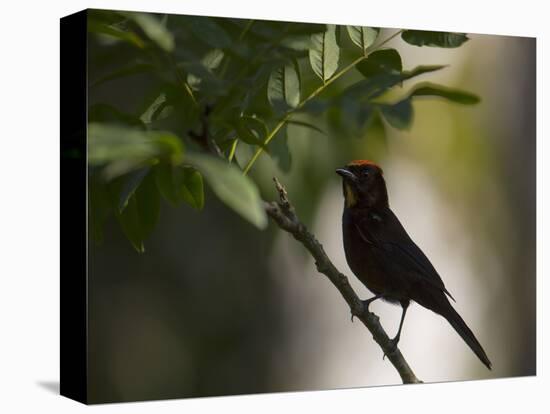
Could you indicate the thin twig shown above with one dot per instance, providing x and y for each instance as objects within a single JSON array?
[{"x": 284, "y": 215}]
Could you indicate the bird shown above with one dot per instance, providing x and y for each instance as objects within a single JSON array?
[{"x": 385, "y": 259}]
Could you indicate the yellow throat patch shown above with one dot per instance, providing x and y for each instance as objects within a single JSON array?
[{"x": 349, "y": 195}]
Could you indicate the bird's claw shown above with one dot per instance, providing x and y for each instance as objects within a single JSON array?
[{"x": 366, "y": 304}]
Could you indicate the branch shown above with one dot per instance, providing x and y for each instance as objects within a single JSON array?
[{"x": 284, "y": 215}]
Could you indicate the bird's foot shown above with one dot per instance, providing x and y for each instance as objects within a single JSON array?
[
  {"x": 392, "y": 348},
  {"x": 366, "y": 304}
]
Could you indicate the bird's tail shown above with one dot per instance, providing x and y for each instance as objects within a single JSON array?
[{"x": 467, "y": 335}]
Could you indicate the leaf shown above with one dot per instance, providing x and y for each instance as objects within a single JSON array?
[
  {"x": 209, "y": 83},
  {"x": 363, "y": 36},
  {"x": 251, "y": 130},
  {"x": 165, "y": 181},
  {"x": 177, "y": 184},
  {"x": 233, "y": 188},
  {"x": 108, "y": 142},
  {"x": 306, "y": 125},
  {"x": 283, "y": 87},
  {"x": 154, "y": 29},
  {"x": 454, "y": 95},
  {"x": 130, "y": 185},
  {"x": 278, "y": 149},
  {"x": 324, "y": 53},
  {"x": 141, "y": 213},
  {"x": 374, "y": 86},
  {"x": 171, "y": 99},
  {"x": 422, "y": 69},
  {"x": 207, "y": 30},
  {"x": 299, "y": 43},
  {"x": 192, "y": 188},
  {"x": 398, "y": 115},
  {"x": 380, "y": 62},
  {"x": 154, "y": 111},
  {"x": 349, "y": 117},
  {"x": 211, "y": 61},
  {"x": 102, "y": 28},
  {"x": 434, "y": 39}
]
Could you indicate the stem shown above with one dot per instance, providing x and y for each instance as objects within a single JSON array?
[
  {"x": 181, "y": 78},
  {"x": 232, "y": 150},
  {"x": 246, "y": 28},
  {"x": 312, "y": 95}
]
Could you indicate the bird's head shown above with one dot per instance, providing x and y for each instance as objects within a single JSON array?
[{"x": 363, "y": 184}]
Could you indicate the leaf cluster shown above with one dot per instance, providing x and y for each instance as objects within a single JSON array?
[{"x": 218, "y": 86}]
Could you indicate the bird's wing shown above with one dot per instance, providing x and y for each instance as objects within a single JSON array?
[{"x": 385, "y": 232}]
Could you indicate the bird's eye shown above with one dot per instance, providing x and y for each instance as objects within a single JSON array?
[{"x": 366, "y": 173}]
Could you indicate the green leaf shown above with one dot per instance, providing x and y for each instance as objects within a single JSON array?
[
  {"x": 374, "y": 86},
  {"x": 130, "y": 185},
  {"x": 299, "y": 43},
  {"x": 306, "y": 125},
  {"x": 454, "y": 95},
  {"x": 177, "y": 184},
  {"x": 251, "y": 130},
  {"x": 398, "y": 115},
  {"x": 278, "y": 149},
  {"x": 324, "y": 53},
  {"x": 434, "y": 39},
  {"x": 107, "y": 143},
  {"x": 166, "y": 182},
  {"x": 155, "y": 110},
  {"x": 211, "y": 61},
  {"x": 192, "y": 188},
  {"x": 381, "y": 62},
  {"x": 154, "y": 29},
  {"x": 171, "y": 99},
  {"x": 363, "y": 36},
  {"x": 422, "y": 69},
  {"x": 283, "y": 87},
  {"x": 102, "y": 28},
  {"x": 349, "y": 117},
  {"x": 236, "y": 190},
  {"x": 207, "y": 30},
  {"x": 141, "y": 214}
]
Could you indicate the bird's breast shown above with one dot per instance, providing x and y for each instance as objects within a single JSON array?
[{"x": 361, "y": 256}]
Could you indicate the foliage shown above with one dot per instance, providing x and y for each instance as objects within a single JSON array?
[{"x": 221, "y": 84}]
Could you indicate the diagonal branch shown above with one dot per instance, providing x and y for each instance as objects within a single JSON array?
[{"x": 284, "y": 215}]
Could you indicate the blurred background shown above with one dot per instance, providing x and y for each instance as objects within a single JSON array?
[{"x": 217, "y": 307}]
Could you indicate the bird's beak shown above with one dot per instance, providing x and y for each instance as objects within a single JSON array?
[{"x": 346, "y": 174}]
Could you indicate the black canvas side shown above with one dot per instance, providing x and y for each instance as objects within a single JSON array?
[{"x": 73, "y": 263}]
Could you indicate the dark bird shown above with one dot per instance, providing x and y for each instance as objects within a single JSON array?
[{"x": 383, "y": 256}]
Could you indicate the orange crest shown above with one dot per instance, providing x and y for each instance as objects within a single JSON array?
[{"x": 362, "y": 163}]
